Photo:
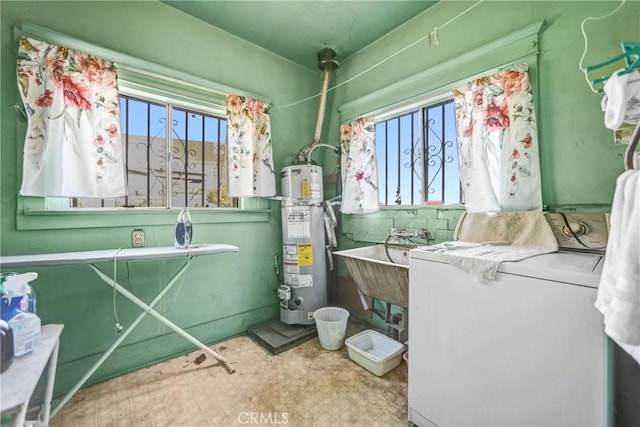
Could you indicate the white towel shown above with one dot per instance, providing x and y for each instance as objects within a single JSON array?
[
  {"x": 619, "y": 291},
  {"x": 489, "y": 239}
]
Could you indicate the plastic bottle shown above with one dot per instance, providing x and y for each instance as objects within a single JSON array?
[
  {"x": 31, "y": 298},
  {"x": 18, "y": 284},
  {"x": 25, "y": 326}
]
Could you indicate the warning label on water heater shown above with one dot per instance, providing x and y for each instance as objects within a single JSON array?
[
  {"x": 305, "y": 254},
  {"x": 294, "y": 257},
  {"x": 298, "y": 222}
]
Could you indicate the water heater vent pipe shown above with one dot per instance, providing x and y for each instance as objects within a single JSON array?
[{"x": 328, "y": 64}]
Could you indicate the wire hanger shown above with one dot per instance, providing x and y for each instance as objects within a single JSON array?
[{"x": 586, "y": 46}]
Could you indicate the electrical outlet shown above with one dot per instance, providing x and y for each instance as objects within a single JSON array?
[{"x": 137, "y": 238}]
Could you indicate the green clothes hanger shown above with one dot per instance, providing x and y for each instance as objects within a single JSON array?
[
  {"x": 582, "y": 68},
  {"x": 631, "y": 56}
]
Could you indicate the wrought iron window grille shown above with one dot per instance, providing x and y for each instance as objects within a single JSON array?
[
  {"x": 182, "y": 165},
  {"x": 417, "y": 156}
]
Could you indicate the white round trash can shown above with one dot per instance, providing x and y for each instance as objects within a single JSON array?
[{"x": 331, "y": 323}]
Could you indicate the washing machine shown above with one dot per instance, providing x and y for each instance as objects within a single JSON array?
[{"x": 525, "y": 349}]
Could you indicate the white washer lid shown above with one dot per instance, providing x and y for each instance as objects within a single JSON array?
[{"x": 568, "y": 267}]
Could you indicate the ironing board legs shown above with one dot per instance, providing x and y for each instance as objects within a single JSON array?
[
  {"x": 137, "y": 301},
  {"x": 122, "y": 336}
]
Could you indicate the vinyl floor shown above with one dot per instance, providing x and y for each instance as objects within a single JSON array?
[{"x": 304, "y": 386}]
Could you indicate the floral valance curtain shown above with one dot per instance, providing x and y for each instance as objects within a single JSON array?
[
  {"x": 498, "y": 143},
  {"x": 250, "y": 154},
  {"x": 72, "y": 146},
  {"x": 358, "y": 166}
]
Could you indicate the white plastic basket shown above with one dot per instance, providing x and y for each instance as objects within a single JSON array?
[
  {"x": 331, "y": 323},
  {"x": 375, "y": 352}
]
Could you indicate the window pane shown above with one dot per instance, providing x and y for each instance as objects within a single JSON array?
[
  {"x": 381, "y": 155},
  {"x": 441, "y": 148},
  {"x": 409, "y": 149},
  {"x": 393, "y": 161},
  {"x": 399, "y": 162},
  {"x": 217, "y": 188},
  {"x": 433, "y": 147},
  {"x": 453, "y": 192},
  {"x": 199, "y": 167},
  {"x": 196, "y": 158},
  {"x": 180, "y": 153},
  {"x": 148, "y": 157}
]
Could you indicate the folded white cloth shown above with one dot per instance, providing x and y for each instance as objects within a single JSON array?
[
  {"x": 486, "y": 240},
  {"x": 621, "y": 103},
  {"x": 619, "y": 291}
]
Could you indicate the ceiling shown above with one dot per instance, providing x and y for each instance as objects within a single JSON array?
[{"x": 298, "y": 30}]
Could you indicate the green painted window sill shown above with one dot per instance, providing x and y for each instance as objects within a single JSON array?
[
  {"x": 123, "y": 217},
  {"x": 392, "y": 208},
  {"x": 36, "y": 213},
  {"x": 413, "y": 207}
]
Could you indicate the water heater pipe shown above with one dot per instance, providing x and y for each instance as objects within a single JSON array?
[
  {"x": 314, "y": 147},
  {"x": 323, "y": 103},
  {"x": 326, "y": 63}
]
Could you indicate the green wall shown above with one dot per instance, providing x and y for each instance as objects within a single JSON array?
[
  {"x": 220, "y": 295},
  {"x": 579, "y": 162}
]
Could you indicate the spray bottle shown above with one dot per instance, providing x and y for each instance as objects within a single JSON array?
[{"x": 18, "y": 284}]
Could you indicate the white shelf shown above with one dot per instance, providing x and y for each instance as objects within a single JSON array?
[{"x": 19, "y": 381}]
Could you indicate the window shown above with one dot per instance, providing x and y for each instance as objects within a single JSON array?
[
  {"x": 417, "y": 155},
  {"x": 183, "y": 164},
  {"x": 181, "y": 99}
]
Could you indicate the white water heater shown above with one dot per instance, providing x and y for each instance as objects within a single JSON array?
[{"x": 303, "y": 244}]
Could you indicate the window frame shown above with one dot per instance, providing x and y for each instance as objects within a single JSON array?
[
  {"x": 435, "y": 82},
  {"x": 418, "y": 106},
  {"x": 170, "y": 106}
]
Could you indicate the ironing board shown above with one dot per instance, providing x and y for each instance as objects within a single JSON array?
[{"x": 129, "y": 254}]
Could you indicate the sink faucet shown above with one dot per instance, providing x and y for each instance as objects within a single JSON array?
[
  {"x": 403, "y": 233},
  {"x": 422, "y": 233}
]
